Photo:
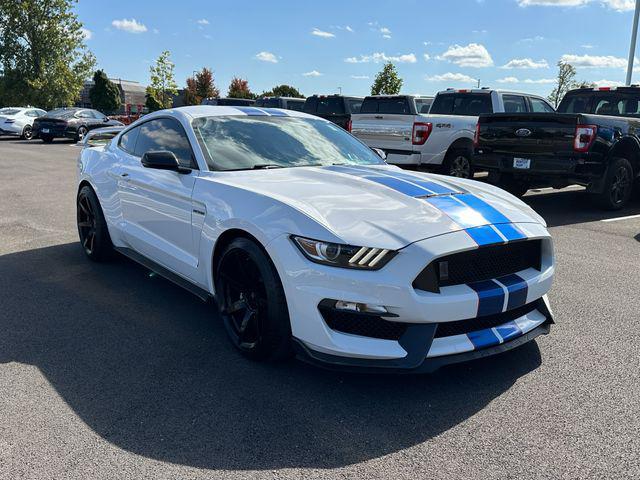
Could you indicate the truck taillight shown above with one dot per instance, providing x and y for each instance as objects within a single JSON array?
[
  {"x": 584, "y": 137},
  {"x": 476, "y": 135},
  {"x": 421, "y": 132},
  {"x": 349, "y": 125}
]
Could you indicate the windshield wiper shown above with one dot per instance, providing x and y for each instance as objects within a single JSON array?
[{"x": 265, "y": 166}]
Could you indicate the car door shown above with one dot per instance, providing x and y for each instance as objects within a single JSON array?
[{"x": 156, "y": 204}]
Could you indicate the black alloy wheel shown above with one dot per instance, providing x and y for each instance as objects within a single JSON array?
[
  {"x": 618, "y": 185},
  {"x": 92, "y": 228},
  {"x": 460, "y": 167},
  {"x": 252, "y": 302}
]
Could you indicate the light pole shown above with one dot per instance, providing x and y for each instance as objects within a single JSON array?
[{"x": 632, "y": 48}]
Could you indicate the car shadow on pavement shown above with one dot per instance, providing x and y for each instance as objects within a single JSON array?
[
  {"x": 569, "y": 207},
  {"x": 147, "y": 366}
]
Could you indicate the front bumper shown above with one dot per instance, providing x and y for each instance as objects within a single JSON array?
[{"x": 306, "y": 285}]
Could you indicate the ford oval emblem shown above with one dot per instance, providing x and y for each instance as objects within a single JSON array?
[{"x": 523, "y": 132}]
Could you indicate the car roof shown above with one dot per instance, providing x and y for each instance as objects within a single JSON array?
[{"x": 198, "y": 111}]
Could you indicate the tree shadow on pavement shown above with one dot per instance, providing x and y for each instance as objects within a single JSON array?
[{"x": 147, "y": 366}]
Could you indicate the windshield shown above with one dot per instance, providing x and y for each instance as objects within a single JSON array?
[
  {"x": 61, "y": 113},
  {"x": 9, "y": 111},
  {"x": 249, "y": 142}
]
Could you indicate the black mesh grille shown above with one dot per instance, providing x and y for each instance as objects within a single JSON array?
[
  {"x": 449, "y": 329},
  {"x": 362, "y": 324},
  {"x": 483, "y": 263}
]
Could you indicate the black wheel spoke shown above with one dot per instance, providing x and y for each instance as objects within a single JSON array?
[{"x": 235, "y": 307}]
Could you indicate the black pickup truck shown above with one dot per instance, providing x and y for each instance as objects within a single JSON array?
[{"x": 593, "y": 140}]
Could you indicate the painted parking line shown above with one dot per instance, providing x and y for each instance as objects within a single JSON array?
[{"x": 619, "y": 219}]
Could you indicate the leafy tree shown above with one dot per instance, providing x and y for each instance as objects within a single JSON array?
[
  {"x": 104, "y": 95},
  {"x": 43, "y": 57},
  {"x": 239, "y": 88},
  {"x": 163, "y": 85},
  {"x": 387, "y": 81},
  {"x": 205, "y": 85},
  {"x": 564, "y": 82},
  {"x": 283, "y": 91},
  {"x": 151, "y": 101},
  {"x": 190, "y": 95}
]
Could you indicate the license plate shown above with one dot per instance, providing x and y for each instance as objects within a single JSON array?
[
  {"x": 522, "y": 163},
  {"x": 45, "y": 130}
]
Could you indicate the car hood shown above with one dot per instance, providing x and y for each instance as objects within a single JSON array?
[{"x": 384, "y": 206}]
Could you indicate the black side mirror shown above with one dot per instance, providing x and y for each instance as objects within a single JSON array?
[{"x": 163, "y": 160}]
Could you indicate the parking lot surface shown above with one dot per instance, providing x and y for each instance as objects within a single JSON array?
[{"x": 107, "y": 372}]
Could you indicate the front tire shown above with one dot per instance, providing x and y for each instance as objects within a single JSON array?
[
  {"x": 457, "y": 163},
  {"x": 92, "y": 227},
  {"x": 618, "y": 185},
  {"x": 252, "y": 302},
  {"x": 81, "y": 132}
]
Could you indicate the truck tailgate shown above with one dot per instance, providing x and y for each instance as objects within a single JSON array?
[
  {"x": 527, "y": 134},
  {"x": 388, "y": 132}
]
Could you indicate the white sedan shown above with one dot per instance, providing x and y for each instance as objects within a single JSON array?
[
  {"x": 312, "y": 245},
  {"x": 18, "y": 121}
]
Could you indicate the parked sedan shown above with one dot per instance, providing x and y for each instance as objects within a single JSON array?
[
  {"x": 19, "y": 121},
  {"x": 311, "y": 244},
  {"x": 70, "y": 123}
]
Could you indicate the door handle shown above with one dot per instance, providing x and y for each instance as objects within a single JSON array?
[{"x": 124, "y": 175}]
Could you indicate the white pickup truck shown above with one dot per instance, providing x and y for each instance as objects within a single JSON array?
[{"x": 441, "y": 139}]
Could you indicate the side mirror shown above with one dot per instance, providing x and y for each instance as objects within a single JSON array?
[
  {"x": 380, "y": 153},
  {"x": 163, "y": 160},
  {"x": 106, "y": 119}
]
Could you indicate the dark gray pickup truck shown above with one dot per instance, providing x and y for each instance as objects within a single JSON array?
[{"x": 593, "y": 140}]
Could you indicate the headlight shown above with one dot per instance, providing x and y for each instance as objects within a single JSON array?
[{"x": 345, "y": 256}]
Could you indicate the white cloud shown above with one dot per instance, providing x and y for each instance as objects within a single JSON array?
[
  {"x": 360, "y": 77},
  {"x": 608, "y": 83},
  {"x": 525, "y": 63},
  {"x": 452, "y": 77},
  {"x": 131, "y": 26},
  {"x": 348, "y": 29},
  {"x": 537, "y": 38},
  {"x": 587, "y": 46},
  {"x": 86, "y": 33},
  {"x": 266, "y": 57},
  {"x": 619, "y": 5},
  {"x": 426, "y": 57},
  {"x": 594, "y": 61},
  {"x": 508, "y": 80},
  {"x": 202, "y": 21},
  {"x": 540, "y": 81},
  {"x": 321, "y": 33},
  {"x": 473, "y": 55},
  {"x": 379, "y": 57},
  {"x": 312, "y": 73},
  {"x": 385, "y": 30}
]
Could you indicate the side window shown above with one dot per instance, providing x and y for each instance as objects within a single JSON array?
[
  {"x": 98, "y": 115},
  {"x": 32, "y": 113},
  {"x": 311, "y": 105},
  {"x": 128, "y": 140},
  {"x": 165, "y": 134},
  {"x": 354, "y": 105},
  {"x": 514, "y": 104},
  {"x": 540, "y": 106},
  {"x": 85, "y": 114}
]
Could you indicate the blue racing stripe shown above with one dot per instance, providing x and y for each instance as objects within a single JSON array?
[
  {"x": 276, "y": 113},
  {"x": 510, "y": 232},
  {"x": 484, "y": 235},
  {"x": 434, "y": 187},
  {"x": 252, "y": 111},
  {"x": 518, "y": 290},
  {"x": 460, "y": 213},
  {"x": 487, "y": 211},
  {"x": 509, "y": 330},
  {"x": 490, "y": 297},
  {"x": 483, "y": 338},
  {"x": 391, "y": 182}
]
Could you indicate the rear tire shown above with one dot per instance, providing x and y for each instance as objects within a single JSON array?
[
  {"x": 618, "y": 185},
  {"x": 92, "y": 227},
  {"x": 252, "y": 302},
  {"x": 82, "y": 131},
  {"x": 27, "y": 133},
  {"x": 457, "y": 163}
]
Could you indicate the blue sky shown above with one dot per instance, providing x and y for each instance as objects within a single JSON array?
[{"x": 320, "y": 46}]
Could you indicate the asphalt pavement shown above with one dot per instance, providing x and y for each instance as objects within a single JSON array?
[{"x": 107, "y": 372}]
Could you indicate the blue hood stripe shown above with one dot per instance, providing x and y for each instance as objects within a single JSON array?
[{"x": 253, "y": 111}]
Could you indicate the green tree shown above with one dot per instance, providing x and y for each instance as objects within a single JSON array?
[
  {"x": 205, "y": 85},
  {"x": 163, "y": 86},
  {"x": 564, "y": 82},
  {"x": 104, "y": 95},
  {"x": 190, "y": 95},
  {"x": 387, "y": 81},
  {"x": 239, "y": 88},
  {"x": 283, "y": 91},
  {"x": 43, "y": 58},
  {"x": 151, "y": 101}
]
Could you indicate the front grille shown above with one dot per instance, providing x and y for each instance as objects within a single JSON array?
[
  {"x": 362, "y": 324},
  {"x": 449, "y": 329},
  {"x": 483, "y": 263}
]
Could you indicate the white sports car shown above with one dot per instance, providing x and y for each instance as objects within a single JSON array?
[
  {"x": 19, "y": 121},
  {"x": 311, "y": 244}
]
